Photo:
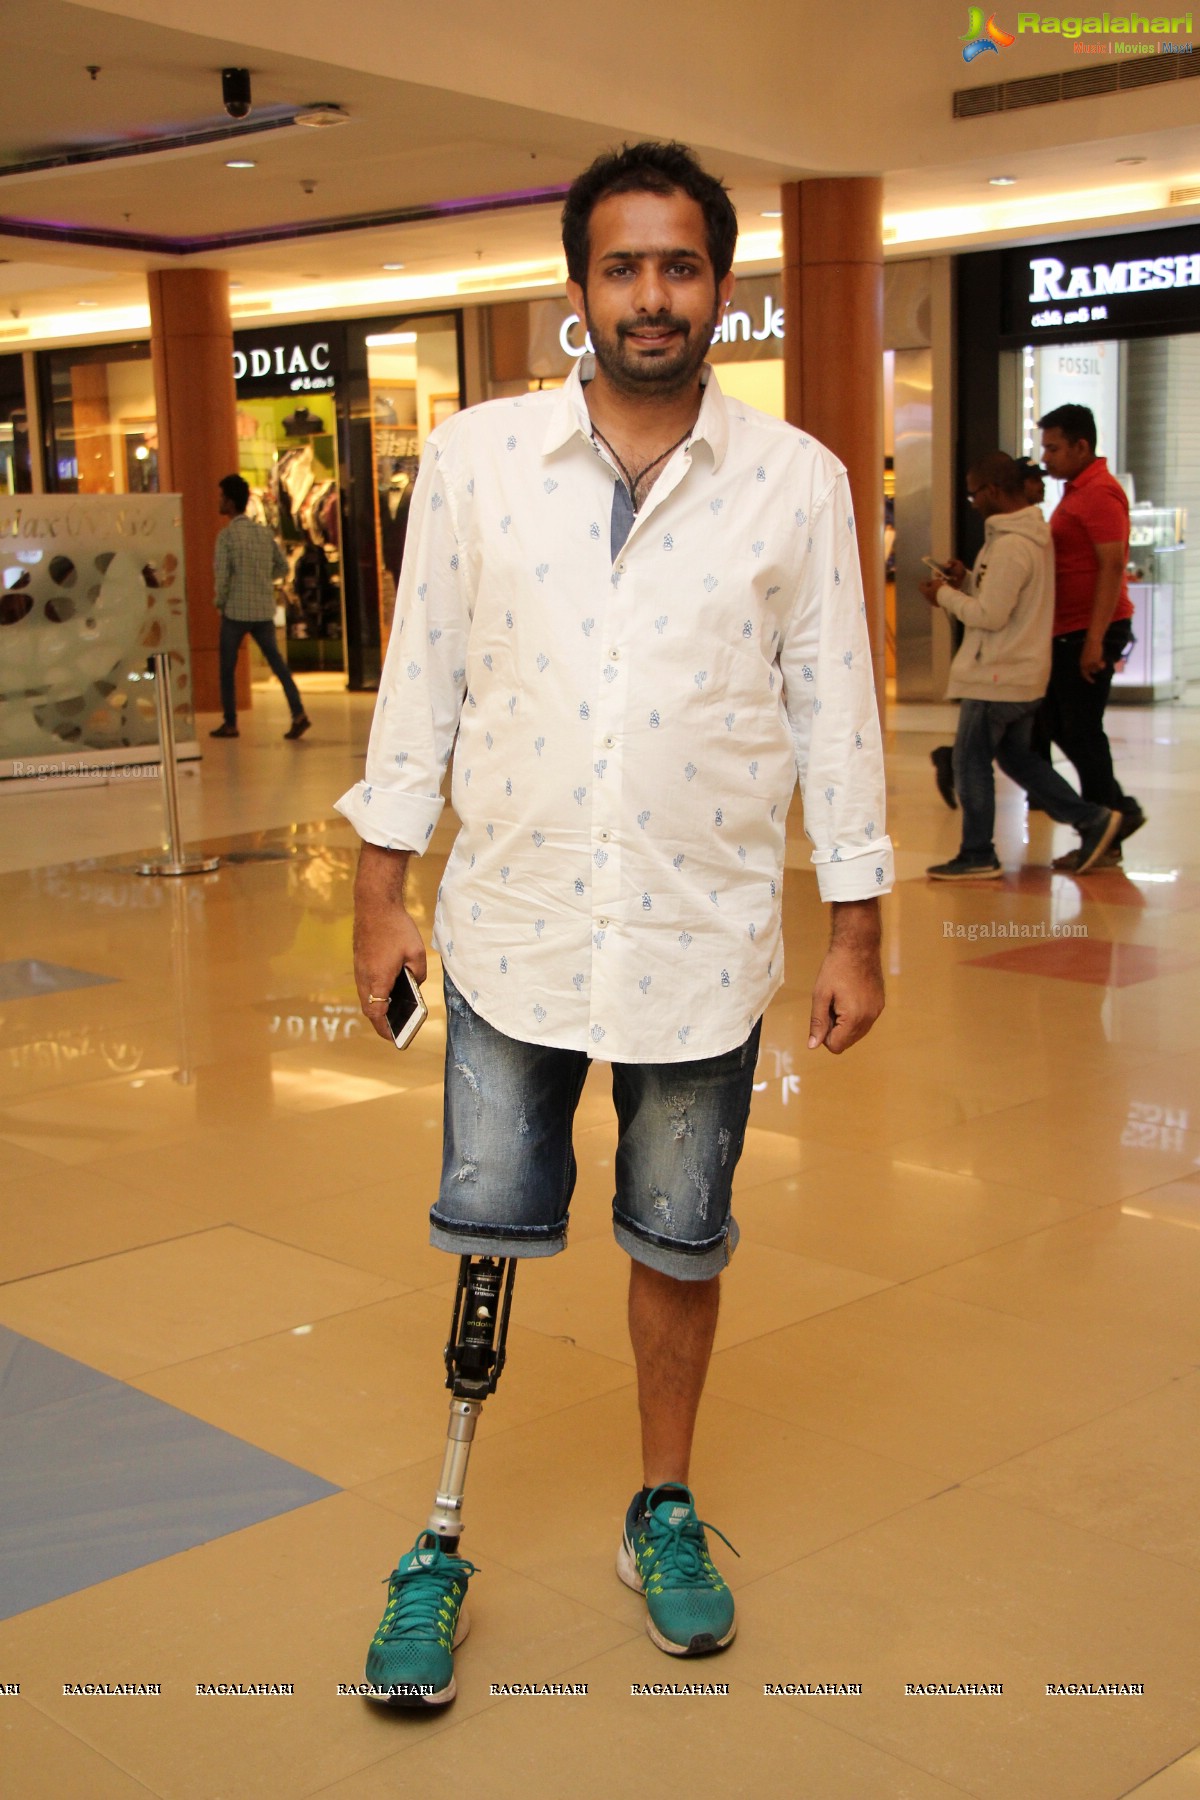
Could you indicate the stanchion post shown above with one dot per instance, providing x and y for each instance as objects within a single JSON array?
[{"x": 177, "y": 861}]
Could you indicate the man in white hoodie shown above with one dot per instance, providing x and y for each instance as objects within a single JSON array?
[{"x": 1006, "y": 605}]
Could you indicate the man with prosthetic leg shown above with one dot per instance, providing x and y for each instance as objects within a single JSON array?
[{"x": 630, "y": 614}]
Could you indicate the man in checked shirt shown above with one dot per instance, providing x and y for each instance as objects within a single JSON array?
[{"x": 631, "y": 611}]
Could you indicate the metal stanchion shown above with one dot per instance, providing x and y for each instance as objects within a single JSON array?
[{"x": 178, "y": 862}]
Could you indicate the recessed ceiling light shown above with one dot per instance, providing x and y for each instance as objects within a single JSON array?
[
  {"x": 1002, "y": 181},
  {"x": 392, "y": 267},
  {"x": 772, "y": 215},
  {"x": 1128, "y": 162},
  {"x": 322, "y": 113},
  {"x": 240, "y": 162}
]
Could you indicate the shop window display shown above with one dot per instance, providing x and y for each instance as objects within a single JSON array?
[
  {"x": 101, "y": 412},
  {"x": 287, "y": 452},
  {"x": 413, "y": 372}
]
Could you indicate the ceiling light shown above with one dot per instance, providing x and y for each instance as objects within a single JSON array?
[
  {"x": 87, "y": 303},
  {"x": 1129, "y": 162},
  {"x": 240, "y": 162},
  {"x": 1002, "y": 181},
  {"x": 379, "y": 340},
  {"x": 772, "y": 215},
  {"x": 391, "y": 267},
  {"x": 322, "y": 113}
]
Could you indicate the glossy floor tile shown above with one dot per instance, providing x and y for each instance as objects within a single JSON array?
[
  {"x": 29, "y": 979},
  {"x": 951, "y": 1421},
  {"x": 103, "y": 1479}
]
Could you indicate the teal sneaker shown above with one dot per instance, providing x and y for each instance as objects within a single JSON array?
[
  {"x": 664, "y": 1555},
  {"x": 411, "y": 1659}
]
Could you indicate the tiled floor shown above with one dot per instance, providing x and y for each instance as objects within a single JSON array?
[{"x": 951, "y": 1421}]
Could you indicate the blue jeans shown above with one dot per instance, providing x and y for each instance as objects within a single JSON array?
[
  {"x": 1001, "y": 732},
  {"x": 508, "y": 1166},
  {"x": 263, "y": 633}
]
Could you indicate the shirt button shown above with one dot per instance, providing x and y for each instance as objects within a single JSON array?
[
  {"x": 610, "y": 743},
  {"x": 620, "y": 568},
  {"x": 603, "y": 836},
  {"x": 614, "y": 655},
  {"x": 603, "y": 924}
]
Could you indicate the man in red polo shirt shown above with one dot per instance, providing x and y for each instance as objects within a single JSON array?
[{"x": 1092, "y": 609}]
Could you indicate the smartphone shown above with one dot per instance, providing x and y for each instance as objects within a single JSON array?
[
  {"x": 935, "y": 566},
  {"x": 407, "y": 1011}
]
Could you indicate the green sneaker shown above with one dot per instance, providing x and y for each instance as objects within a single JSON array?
[
  {"x": 664, "y": 1555},
  {"x": 411, "y": 1660}
]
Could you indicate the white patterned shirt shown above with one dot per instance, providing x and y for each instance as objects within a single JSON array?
[{"x": 626, "y": 734}]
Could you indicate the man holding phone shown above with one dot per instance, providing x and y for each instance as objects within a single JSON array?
[
  {"x": 1000, "y": 672},
  {"x": 631, "y": 611}
]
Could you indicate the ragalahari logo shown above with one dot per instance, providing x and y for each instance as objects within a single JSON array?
[{"x": 979, "y": 37}]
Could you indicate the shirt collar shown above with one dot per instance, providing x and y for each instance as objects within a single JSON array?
[
  {"x": 570, "y": 416},
  {"x": 1098, "y": 466}
]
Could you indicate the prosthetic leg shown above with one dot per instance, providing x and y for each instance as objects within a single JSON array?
[{"x": 474, "y": 1361}]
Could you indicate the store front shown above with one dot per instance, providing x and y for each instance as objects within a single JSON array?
[
  {"x": 1111, "y": 323},
  {"x": 331, "y": 421},
  {"x": 536, "y": 343},
  {"x": 291, "y": 383},
  {"x": 97, "y": 403}
]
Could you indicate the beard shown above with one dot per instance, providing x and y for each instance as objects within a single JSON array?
[{"x": 643, "y": 372}]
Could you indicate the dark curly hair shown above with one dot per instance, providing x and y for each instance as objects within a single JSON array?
[{"x": 648, "y": 168}]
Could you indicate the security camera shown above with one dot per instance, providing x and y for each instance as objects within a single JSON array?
[{"x": 235, "y": 92}]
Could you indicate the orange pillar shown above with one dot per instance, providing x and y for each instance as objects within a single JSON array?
[
  {"x": 833, "y": 350},
  {"x": 191, "y": 339}
]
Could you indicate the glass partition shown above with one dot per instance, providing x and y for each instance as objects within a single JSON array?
[{"x": 100, "y": 412}]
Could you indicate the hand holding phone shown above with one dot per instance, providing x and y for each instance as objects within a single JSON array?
[
  {"x": 936, "y": 567},
  {"x": 406, "y": 1011}
]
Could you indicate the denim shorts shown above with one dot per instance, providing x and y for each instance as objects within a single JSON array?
[{"x": 508, "y": 1167}]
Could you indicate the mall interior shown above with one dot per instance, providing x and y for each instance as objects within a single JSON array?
[{"x": 950, "y": 1421}]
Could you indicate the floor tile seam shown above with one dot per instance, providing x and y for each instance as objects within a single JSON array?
[
  {"x": 86, "y": 1262},
  {"x": 1143, "y": 1780},
  {"x": 995, "y": 1311},
  {"x": 1085, "y": 1205},
  {"x": 497, "y": 1431},
  {"x": 519, "y": 1425},
  {"x": 1085, "y": 1210},
  {"x": 524, "y": 1575},
  {"x": 924, "y": 1470},
  {"x": 898, "y": 1281},
  {"x": 1109, "y": 1539},
  {"x": 133, "y": 1376},
  {"x": 53, "y": 1719},
  {"x": 868, "y": 1525},
  {"x": 811, "y": 1709},
  {"x": 285, "y": 1243}
]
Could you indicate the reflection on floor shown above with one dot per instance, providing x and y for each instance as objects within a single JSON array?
[{"x": 951, "y": 1419}]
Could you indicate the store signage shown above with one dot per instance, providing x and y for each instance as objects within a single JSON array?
[
  {"x": 735, "y": 327},
  {"x": 1108, "y": 284},
  {"x": 281, "y": 359},
  {"x": 293, "y": 362}
]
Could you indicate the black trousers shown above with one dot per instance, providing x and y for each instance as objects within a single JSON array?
[{"x": 1074, "y": 714}]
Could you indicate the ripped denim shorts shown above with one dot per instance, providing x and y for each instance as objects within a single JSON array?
[{"x": 508, "y": 1166}]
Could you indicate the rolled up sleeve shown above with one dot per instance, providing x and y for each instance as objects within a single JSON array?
[
  {"x": 398, "y": 803},
  {"x": 829, "y": 692}
]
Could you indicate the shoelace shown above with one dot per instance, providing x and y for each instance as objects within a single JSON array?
[
  {"x": 680, "y": 1552},
  {"x": 418, "y": 1593}
]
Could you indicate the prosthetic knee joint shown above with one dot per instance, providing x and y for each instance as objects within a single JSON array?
[{"x": 474, "y": 1361}]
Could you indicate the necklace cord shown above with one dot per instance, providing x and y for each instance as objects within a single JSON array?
[{"x": 631, "y": 481}]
